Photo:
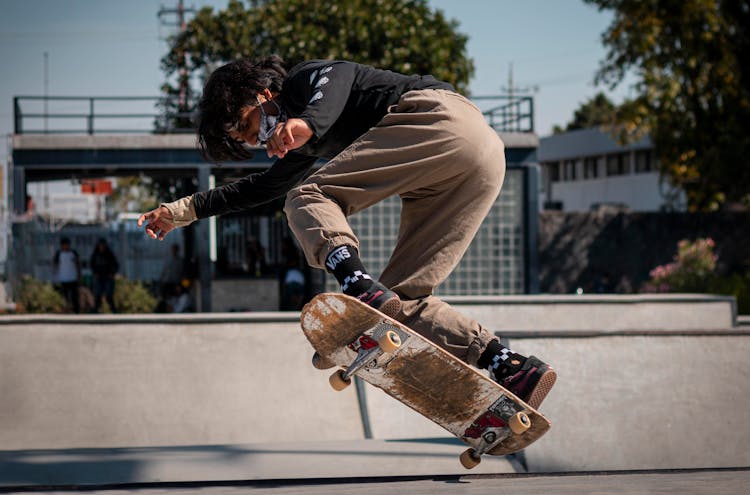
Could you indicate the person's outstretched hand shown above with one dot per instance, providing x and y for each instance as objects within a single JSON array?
[{"x": 159, "y": 222}]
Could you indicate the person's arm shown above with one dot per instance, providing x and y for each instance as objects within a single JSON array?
[
  {"x": 329, "y": 88},
  {"x": 254, "y": 189},
  {"x": 250, "y": 191},
  {"x": 319, "y": 96}
]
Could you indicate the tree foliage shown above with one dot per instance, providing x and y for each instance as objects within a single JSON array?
[
  {"x": 690, "y": 59},
  {"x": 598, "y": 111},
  {"x": 401, "y": 35}
]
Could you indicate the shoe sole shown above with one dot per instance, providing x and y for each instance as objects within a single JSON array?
[
  {"x": 542, "y": 388},
  {"x": 391, "y": 307}
]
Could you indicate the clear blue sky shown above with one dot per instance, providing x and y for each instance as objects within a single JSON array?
[{"x": 113, "y": 47}]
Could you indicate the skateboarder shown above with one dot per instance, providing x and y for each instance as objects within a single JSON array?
[{"x": 382, "y": 133}]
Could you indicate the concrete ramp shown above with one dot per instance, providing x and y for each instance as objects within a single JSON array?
[
  {"x": 259, "y": 461},
  {"x": 87, "y": 382}
]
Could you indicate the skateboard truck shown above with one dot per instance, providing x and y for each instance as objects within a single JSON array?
[
  {"x": 388, "y": 342},
  {"x": 518, "y": 423}
]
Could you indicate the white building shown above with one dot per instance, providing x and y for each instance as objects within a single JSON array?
[
  {"x": 63, "y": 201},
  {"x": 587, "y": 168}
]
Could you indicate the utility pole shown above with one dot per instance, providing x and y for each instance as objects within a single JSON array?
[
  {"x": 512, "y": 90},
  {"x": 46, "y": 90},
  {"x": 181, "y": 23}
]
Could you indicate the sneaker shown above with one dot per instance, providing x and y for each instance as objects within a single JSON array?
[
  {"x": 382, "y": 298},
  {"x": 321, "y": 363},
  {"x": 528, "y": 378}
]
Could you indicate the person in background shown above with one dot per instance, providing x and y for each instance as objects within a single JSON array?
[
  {"x": 180, "y": 301},
  {"x": 104, "y": 266},
  {"x": 255, "y": 258},
  {"x": 67, "y": 273},
  {"x": 172, "y": 272}
]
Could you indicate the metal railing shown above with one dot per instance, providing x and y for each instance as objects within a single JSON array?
[
  {"x": 508, "y": 113},
  {"x": 99, "y": 114},
  {"x": 156, "y": 114}
]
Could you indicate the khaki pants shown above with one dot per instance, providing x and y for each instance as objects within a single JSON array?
[{"x": 435, "y": 150}]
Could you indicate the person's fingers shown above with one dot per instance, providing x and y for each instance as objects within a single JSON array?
[
  {"x": 146, "y": 216},
  {"x": 150, "y": 231},
  {"x": 287, "y": 136}
]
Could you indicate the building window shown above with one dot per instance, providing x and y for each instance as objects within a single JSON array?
[
  {"x": 493, "y": 263},
  {"x": 643, "y": 161},
  {"x": 617, "y": 164},
  {"x": 553, "y": 171},
  {"x": 590, "y": 170},
  {"x": 569, "y": 170}
]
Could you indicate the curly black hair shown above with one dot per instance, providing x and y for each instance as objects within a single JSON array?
[{"x": 230, "y": 88}]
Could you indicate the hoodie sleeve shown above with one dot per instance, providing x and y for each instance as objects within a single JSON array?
[
  {"x": 254, "y": 189},
  {"x": 325, "y": 90}
]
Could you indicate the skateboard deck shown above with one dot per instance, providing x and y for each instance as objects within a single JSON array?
[{"x": 385, "y": 353}]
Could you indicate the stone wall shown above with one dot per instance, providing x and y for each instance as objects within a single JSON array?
[{"x": 608, "y": 251}]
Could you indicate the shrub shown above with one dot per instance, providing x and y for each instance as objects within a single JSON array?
[
  {"x": 36, "y": 296},
  {"x": 133, "y": 297},
  {"x": 691, "y": 271},
  {"x": 694, "y": 270}
]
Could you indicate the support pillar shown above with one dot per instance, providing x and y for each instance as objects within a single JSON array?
[{"x": 202, "y": 246}]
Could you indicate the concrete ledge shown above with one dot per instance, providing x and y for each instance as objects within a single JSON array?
[
  {"x": 545, "y": 315},
  {"x": 519, "y": 139},
  {"x": 102, "y": 141},
  {"x": 519, "y": 315}
]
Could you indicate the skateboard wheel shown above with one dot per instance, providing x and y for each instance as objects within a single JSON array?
[
  {"x": 469, "y": 459},
  {"x": 519, "y": 423},
  {"x": 338, "y": 382},
  {"x": 390, "y": 341}
]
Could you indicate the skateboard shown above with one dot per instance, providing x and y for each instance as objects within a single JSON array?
[{"x": 366, "y": 343}]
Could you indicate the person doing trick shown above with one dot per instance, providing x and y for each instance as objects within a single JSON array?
[{"x": 382, "y": 134}]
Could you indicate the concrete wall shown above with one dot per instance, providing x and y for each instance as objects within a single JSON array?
[
  {"x": 577, "y": 249},
  {"x": 627, "y": 397},
  {"x": 244, "y": 294}
]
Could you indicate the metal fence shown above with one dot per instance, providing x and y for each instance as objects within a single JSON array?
[
  {"x": 139, "y": 114},
  {"x": 35, "y": 242},
  {"x": 99, "y": 114}
]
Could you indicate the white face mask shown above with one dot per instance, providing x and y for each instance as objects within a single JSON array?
[{"x": 268, "y": 123}]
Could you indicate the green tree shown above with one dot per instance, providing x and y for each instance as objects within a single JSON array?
[
  {"x": 597, "y": 111},
  {"x": 690, "y": 59},
  {"x": 401, "y": 35}
]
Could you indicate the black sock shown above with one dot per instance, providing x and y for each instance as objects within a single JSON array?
[
  {"x": 344, "y": 263},
  {"x": 495, "y": 357}
]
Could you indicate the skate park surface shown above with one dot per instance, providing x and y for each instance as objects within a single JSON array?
[{"x": 652, "y": 396}]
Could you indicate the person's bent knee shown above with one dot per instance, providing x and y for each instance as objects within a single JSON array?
[{"x": 298, "y": 196}]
